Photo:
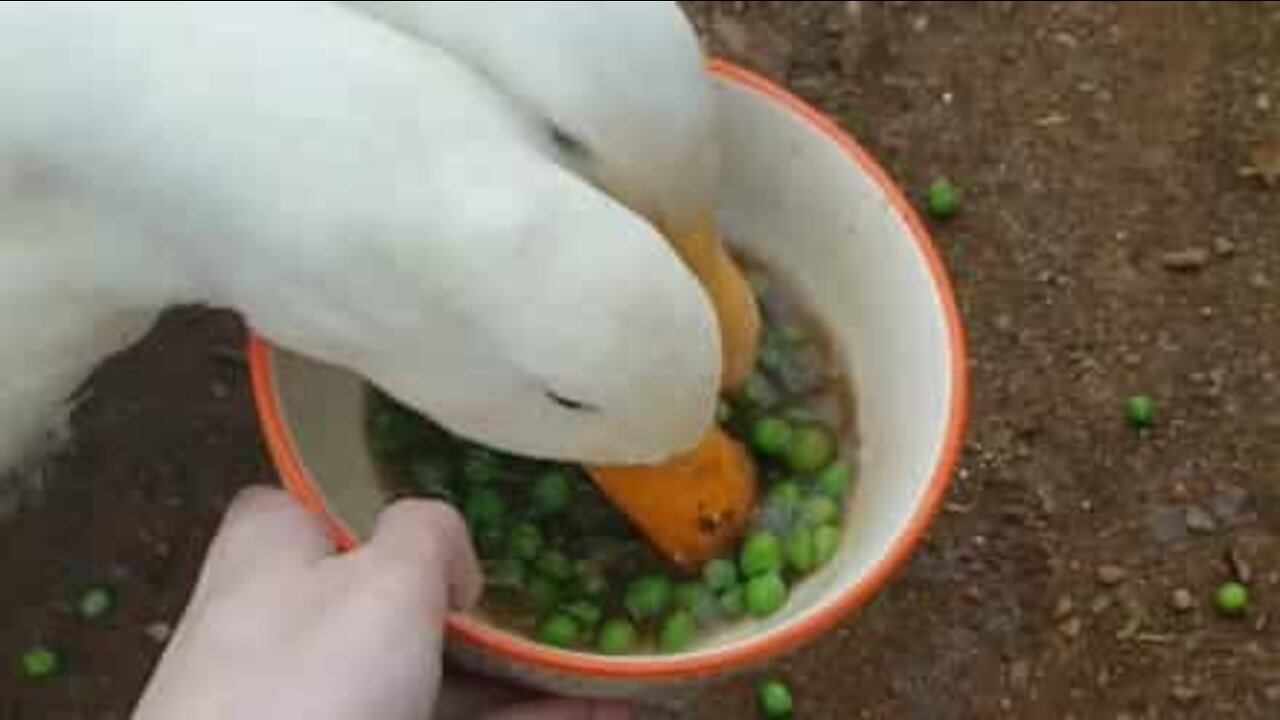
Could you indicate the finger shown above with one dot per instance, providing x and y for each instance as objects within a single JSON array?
[
  {"x": 264, "y": 532},
  {"x": 565, "y": 710},
  {"x": 430, "y": 538}
]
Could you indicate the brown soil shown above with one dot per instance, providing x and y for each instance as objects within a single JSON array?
[{"x": 1095, "y": 143}]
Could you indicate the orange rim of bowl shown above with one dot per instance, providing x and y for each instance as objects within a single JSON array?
[{"x": 298, "y": 481}]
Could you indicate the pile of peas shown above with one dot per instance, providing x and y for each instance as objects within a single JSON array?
[{"x": 564, "y": 567}]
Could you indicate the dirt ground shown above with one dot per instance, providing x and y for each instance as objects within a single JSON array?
[{"x": 1118, "y": 236}]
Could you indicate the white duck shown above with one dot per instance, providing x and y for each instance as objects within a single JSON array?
[{"x": 474, "y": 205}]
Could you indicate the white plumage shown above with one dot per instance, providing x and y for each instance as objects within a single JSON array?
[{"x": 464, "y": 202}]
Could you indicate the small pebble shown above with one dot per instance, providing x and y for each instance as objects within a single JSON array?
[
  {"x": 1019, "y": 674},
  {"x": 1223, "y": 247},
  {"x": 1063, "y": 607},
  {"x": 1182, "y": 600},
  {"x": 1071, "y": 628},
  {"x": 1199, "y": 520},
  {"x": 1239, "y": 566},
  {"x": 1101, "y": 604},
  {"x": 1110, "y": 575},
  {"x": 1229, "y": 502},
  {"x": 1184, "y": 694},
  {"x": 1185, "y": 260},
  {"x": 159, "y": 632}
]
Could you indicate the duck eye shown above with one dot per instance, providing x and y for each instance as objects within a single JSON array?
[
  {"x": 570, "y": 403},
  {"x": 568, "y": 144}
]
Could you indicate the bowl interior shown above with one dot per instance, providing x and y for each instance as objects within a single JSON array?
[{"x": 808, "y": 203}]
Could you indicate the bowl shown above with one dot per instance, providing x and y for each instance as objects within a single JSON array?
[{"x": 803, "y": 197}]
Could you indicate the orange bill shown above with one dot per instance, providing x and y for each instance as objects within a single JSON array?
[
  {"x": 730, "y": 293},
  {"x": 693, "y": 508}
]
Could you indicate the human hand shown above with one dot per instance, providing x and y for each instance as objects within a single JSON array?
[{"x": 280, "y": 627}]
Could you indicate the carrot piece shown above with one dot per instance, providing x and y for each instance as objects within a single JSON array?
[{"x": 692, "y": 508}]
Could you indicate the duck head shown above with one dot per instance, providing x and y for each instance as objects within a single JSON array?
[{"x": 613, "y": 350}]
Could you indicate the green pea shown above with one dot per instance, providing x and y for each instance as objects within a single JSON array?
[
  {"x": 525, "y": 541},
  {"x": 800, "y": 551},
  {"x": 819, "y": 510},
  {"x": 785, "y": 495},
  {"x": 480, "y": 466},
  {"x": 559, "y": 630},
  {"x": 587, "y": 613},
  {"x": 724, "y": 412},
  {"x": 771, "y": 355},
  {"x": 95, "y": 602},
  {"x": 591, "y": 580},
  {"x": 770, "y": 436},
  {"x": 40, "y": 662},
  {"x": 759, "y": 392},
  {"x": 677, "y": 631},
  {"x": 553, "y": 564},
  {"x": 943, "y": 200},
  {"x": 552, "y": 492},
  {"x": 543, "y": 593},
  {"x": 834, "y": 480},
  {"x": 794, "y": 334},
  {"x": 617, "y": 637},
  {"x": 688, "y": 595},
  {"x": 760, "y": 554},
  {"x": 506, "y": 573},
  {"x": 826, "y": 540},
  {"x": 648, "y": 596},
  {"x": 765, "y": 594},
  {"x": 1140, "y": 411},
  {"x": 775, "y": 700},
  {"x": 733, "y": 603},
  {"x": 484, "y": 508},
  {"x": 720, "y": 574},
  {"x": 489, "y": 540},
  {"x": 810, "y": 449},
  {"x": 1232, "y": 598},
  {"x": 431, "y": 475},
  {"x": 393, "y": 430}
]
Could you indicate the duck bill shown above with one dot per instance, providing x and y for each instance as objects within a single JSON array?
[
  {"x": 695, "y": 506},
  {"x": 706, "y": 254}
]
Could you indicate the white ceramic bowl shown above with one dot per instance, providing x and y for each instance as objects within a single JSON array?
[{"x": 807, "y": 200}]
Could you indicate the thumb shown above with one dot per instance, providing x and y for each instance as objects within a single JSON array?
[{"x": 425, "y": 537}]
